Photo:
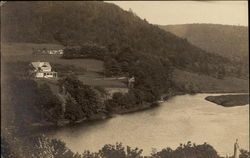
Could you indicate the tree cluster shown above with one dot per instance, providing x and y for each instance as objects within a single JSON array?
[
  {"x": 83, "y": 101},
  {"x": 85, "y": 51},
  {"x": 41, "y": 147}
]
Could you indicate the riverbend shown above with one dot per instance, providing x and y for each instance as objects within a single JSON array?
[{"x": 178, "y": 120}]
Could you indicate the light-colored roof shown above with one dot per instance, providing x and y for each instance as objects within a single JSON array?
[{"x": 38, "y": 64}]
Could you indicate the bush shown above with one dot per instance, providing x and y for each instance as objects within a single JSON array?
[{"x": 188, "y": 151}]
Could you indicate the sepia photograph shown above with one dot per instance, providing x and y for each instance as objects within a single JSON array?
[{"x": 124, "y": 79}]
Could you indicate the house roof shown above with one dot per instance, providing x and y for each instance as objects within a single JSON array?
[{"x": 37, "y": 65}]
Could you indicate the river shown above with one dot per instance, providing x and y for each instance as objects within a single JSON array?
[{"x": 178, "y": 120}]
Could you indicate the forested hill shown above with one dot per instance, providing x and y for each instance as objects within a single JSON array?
[
  {"x": 105, "y": 24},
  {"x": 226, "y": 40}
]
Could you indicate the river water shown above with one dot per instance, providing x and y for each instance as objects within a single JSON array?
[{"x": 180, "y": 119}]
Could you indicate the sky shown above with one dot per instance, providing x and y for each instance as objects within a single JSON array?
[{"x": 182, "y": 12}]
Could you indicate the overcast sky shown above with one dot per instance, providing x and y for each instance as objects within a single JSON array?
[{"x": 181, "y": 12}]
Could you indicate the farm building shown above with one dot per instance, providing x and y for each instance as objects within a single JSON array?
[
  {"x": 131, "y": 82},
  {"x": 48, "y": 51},
  {"x": 42, "y": 70}
]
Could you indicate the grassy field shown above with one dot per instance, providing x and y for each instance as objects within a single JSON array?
[
  {"x": 23, "y": 52},
  {"x": 203, "y": 83},
  {"x": 13, "y": 52}
]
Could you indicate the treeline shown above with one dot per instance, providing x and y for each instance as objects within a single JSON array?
[
  {"x": 43, "y": 147},
  {"x": 86, "y": 50},
  {"x": 105, "y": 24}
]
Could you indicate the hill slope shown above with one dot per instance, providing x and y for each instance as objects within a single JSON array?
[{"x": 225, "y": 40}]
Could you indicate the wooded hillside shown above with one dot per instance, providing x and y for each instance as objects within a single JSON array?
[{"x": 105, "y": 24}]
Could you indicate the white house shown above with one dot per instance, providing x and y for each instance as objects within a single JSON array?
[{"x": 42, "y": 70}]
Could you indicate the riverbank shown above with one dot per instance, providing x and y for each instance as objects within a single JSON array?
[
  {"x": 229, "y": 100},
  {"x": 179, "y": 119},
  {"x": 36, "y": 128},
  {"x": 119, "y": 111},
  {"x": 41, "y": 126}
]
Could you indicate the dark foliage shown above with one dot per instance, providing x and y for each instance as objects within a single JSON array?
[
  {"x": 188, "y": 151},
  {"x": 83, "y": 101},
  {"x": 31, "y": 102},
  {"x": 85, "y": 51},
  {"x": 40, "y": 147}
]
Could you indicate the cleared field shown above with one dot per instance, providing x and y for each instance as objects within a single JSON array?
[
  {"x": 96, "y": 79},
  {"x": 205, "y": 83},
  {"x": 19, "y": 49},
  {"x": 12, "y": 52},
  {"x": 102, "y": 82}
]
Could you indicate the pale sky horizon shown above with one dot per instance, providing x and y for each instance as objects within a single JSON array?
[{"x": 187, "y": 12}]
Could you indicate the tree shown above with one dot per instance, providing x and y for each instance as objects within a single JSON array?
[
  {"x": 113, "y": 151},
  {"x": 112, "y": 67},
  {"x": 41, "y": 146},
  {"x": 73, "y": 111},
  {"x": 84, "y": 99}
]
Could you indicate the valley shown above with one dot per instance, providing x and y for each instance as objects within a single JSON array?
[{"x": 80, "y": 76}]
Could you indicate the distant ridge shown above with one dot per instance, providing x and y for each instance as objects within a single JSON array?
[{"x": 230, "y": 41}]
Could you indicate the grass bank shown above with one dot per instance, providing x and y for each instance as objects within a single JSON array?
[{"x": 229, "y": 100}]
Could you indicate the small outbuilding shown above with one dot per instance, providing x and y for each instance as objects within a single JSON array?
[{"x": 131, "y": 82}]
